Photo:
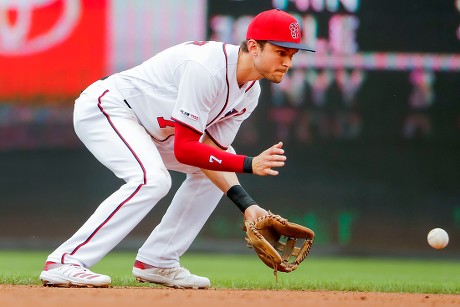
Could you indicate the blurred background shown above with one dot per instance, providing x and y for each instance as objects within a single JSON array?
[{"x": 370, "y": 122}]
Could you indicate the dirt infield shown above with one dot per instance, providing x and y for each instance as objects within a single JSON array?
[{"x": 113, "y": 297}]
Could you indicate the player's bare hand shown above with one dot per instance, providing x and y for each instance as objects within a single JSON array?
[
  {"x": 264, "y": 163},
  {"x": 253, "y": 212}
]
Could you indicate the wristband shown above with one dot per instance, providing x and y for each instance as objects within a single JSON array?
[
  {"x": 240, "y": 197},
  {"x": 247, "y": 165}
]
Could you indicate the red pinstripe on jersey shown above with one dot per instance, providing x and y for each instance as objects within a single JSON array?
[{"x": 226, "y": 81}]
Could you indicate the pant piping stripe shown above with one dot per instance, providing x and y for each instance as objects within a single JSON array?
[{"x": 131, "y": 196}]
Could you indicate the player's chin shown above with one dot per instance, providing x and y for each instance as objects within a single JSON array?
[{"x": 276, "y": 78}]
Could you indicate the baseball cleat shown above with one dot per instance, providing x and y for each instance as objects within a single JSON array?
[
  {"x": 71, "y": 275},
  {"x": 177, "y": 277}
]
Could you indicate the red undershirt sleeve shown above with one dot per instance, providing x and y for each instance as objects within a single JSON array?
[{"x": 189, "y": 150}]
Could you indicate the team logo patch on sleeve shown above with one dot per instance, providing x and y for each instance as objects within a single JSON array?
[{"x": 189, "y": 115}]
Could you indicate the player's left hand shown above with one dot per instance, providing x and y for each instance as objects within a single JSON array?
[
  {"x": 253, "y": 212},
  {"x": 274, "y": 240}
]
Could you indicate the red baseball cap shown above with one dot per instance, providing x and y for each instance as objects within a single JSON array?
[{"x": 278, "y": 28}]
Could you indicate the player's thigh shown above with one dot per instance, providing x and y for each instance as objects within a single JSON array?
[{"x": 114, "y": 136}]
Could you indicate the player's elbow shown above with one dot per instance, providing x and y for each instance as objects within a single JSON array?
[{"x": 181, "y": 154}]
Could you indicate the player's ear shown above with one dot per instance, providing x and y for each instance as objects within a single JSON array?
[{"x": 253, "y": 47}]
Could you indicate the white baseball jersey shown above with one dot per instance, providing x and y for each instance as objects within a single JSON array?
[{"x": 194, "y": 83}]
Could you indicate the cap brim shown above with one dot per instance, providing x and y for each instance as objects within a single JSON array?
[{"x": 292, "y": 45}]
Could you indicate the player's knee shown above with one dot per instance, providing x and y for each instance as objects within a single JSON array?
[{"x": 160, "y": 181}]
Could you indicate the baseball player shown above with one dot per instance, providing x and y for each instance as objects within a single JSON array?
[{"x": 179, "y": 110}]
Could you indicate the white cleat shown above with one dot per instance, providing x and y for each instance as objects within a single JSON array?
[
  {"x": 177, "y": 277},
  {"x": 71, "y": 275}
]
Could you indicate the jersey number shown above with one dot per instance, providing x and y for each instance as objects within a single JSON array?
[
  {"x": 214, "y": 159},
  {"x": 163, "y": 123}
]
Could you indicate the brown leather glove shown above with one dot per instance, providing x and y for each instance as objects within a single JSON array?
[{"x": 274, "y": 240}]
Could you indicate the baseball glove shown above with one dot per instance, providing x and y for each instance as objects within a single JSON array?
[{"x": 274, "y": 240}]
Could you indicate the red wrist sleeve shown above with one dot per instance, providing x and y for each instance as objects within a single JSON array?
[{"x": 189, "y": 150}]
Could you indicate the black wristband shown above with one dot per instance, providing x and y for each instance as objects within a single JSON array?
[
  {"x": 247, "y": 165},
  {"x": 240, "y": 197}
]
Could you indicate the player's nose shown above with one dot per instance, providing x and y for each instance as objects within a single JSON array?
[{"x": 287, "y": 62}]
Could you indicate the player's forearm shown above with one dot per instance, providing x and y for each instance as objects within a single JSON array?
[
  {"x": 223, "y": 180},
  {"x": 189, "y": 150},
  {"x": 229, "y": 184}
]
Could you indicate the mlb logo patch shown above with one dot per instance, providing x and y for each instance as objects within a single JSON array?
[{"x": 189, "y": 115}]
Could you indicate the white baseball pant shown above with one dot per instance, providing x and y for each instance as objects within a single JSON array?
[{"x": 112, "y": 133}]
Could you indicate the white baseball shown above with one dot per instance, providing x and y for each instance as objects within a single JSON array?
[{"x": 438, "y": 238}]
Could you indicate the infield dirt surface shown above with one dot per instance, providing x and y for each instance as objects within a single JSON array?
[{"x": 43, "y": 296}]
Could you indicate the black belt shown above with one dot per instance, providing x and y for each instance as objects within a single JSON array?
[{"x": 127, "y": 103}]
